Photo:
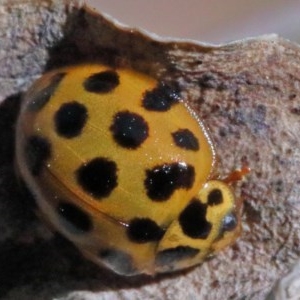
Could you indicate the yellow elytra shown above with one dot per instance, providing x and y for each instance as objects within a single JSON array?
[{"x": 122, "y": 167}]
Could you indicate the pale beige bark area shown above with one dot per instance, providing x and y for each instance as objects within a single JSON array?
[{"x": 247, "y": 92}]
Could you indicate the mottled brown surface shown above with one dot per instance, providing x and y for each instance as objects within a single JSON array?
[{"x": 247, "y": 92}]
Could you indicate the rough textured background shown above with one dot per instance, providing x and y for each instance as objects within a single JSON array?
[{"x": 248, "y": 93}]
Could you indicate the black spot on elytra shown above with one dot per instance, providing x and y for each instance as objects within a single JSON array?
[
  {"x": 129, "y": 129},
  {"x": 143, "y": 230},
  {"x": 73, "y": 218},
  {"x": 229, "y": 222},
  {"x": 98, "y": 177},
  {"x": 162, "y": 181},
  {"x": 185, "y": 139},
  {"x": 37, "y": 152},
  {"x": 215, "y": 197},
  {"x": 193, "y": 220},
  {"x": 70, "y": 119},
  {"x": 40, "y": 99},
  {"x": 102, "y": 82},
  {"x": 161, "y": 98},
  {"x": 119, "y": 261},
  {"x": 171, "y": 256}
]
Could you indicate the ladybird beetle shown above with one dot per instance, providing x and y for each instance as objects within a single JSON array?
[{"x": 123, "y": 168}]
